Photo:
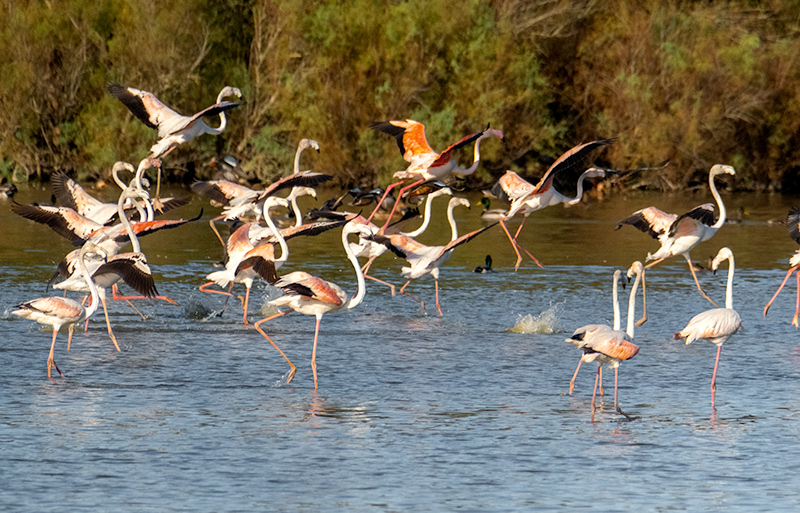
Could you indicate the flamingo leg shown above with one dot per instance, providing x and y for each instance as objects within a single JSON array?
[
  {"x": 396, "y": 203},
  {"x": 51, "y": 362},
  {"x": 257, "y": 325},
  {"x": 403, "y": 291},
  {"x": 714, "y": 376},
  {"x": 616, "y": 379},
  {"x": 117, "y": 297},
  {"x": 314, "y": 352},
  {"x": 594, "y": 394},
  {"x": 600, "y": 372},
  {"x": 694, "y": 275},
  {"x": 212, "y": 222},
  {"x": 436, "y": 288},
  {"x": 572, "y": 381},
  {"x": 785, "y": 279},
  {"x": 244, "y": 306},
  {"x": 520, "y": 227},
  {"x": 796, "y": 303},
  {"x": 69, "y": 338},
  {"x": 115, "y": 294},
  {"x": 643, "y": 319},
  {"x": 366, "y": 266},
  {"x": 391, "y": 287},
  {"x": 380, "y": 202},
  {"x": 108, "y": 323},
  {"x": 513, "y": 244}
]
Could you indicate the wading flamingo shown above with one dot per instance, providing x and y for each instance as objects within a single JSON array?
[
  {"x": 678, "y": 235},
  {"x": 310, "y": 295},
  {"x": 718, "y": 324},
  {"x": 60, "y": 311},
  {"x": 602, "y": 344},
  {"x": 793, "y": 225}
]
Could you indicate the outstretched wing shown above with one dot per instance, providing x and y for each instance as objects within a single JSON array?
[
  {"x": 409, "y": 134},
  {"x": 651, "y": 221},
  {"x": 145, "y": 106},
  {"x": 703, "y": 214}
]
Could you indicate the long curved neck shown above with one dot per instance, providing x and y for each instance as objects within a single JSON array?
[
  {"x": 129, "y": 193},
  {"x": 298, "y": 216},
  {"x": 632, "y": 306},
  {"x": 614, "y": 289},
  {"x": 729, "y": 289},
  {"x": 476, "y": 158},
  {"x": 281, "y": 241},
  {"x": 577, "y": 199},
  {"x": 297, "y": 159},
  {"x": 452, "y": 221},
  {"x": 223, "y": 121},
  {"x": 718, "y": 199},
  {"x": 92, "y": 287},
  {"x": 362, "y": 286},
  {"x": 426, "y": 220}
]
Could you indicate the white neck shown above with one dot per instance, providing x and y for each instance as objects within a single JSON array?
[
  {"x": 614, "y": 287},
  {"x": 476, "y": 158},
  {"x": 223, "y": 121},
  {"x": 577, "y": 199},
  {"x": 281, "y": 241},
  {"x": 298, "y": 216},
  {"x": 729, "y": 289},
  {"x": 453, "y": 228},
  {"x": 362, "y": 286},
  {"x": 297, "y": 159},
  {"x": 632, "y": 306},
  {"x": 425, "y": 220},
  {"x": 720, "y": 204},
  {"x": 92, "y": 287},
  {"x": 133, "y": 193}
]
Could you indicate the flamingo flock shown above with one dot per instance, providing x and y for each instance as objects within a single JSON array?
[{"x": 257, "y": 244}]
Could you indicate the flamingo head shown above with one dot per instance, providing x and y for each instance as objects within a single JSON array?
[
  {"x": 309, "y": 143},
  {"x": 722, "y": 255},
  {"x": 719, "y": 169},
  {"x": 230, "y": 91}
]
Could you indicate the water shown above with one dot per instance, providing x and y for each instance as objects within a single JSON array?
[{"x": 414, "y": 412}]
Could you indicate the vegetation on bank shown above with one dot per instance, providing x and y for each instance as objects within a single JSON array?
[{"x": 695, "y": 83}]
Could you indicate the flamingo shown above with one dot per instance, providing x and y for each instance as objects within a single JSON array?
[
  {"x": 793, "y": 225},
  {"x": 424, "y": 259},
  {"x": 72, "y": 195},
  {"x": 718, "y": 324},
  {"x": 59, "y": 311},
  {"x": 424, "y": 162},
  {"x": 678, "y": 235},
  {"x": 295, "y": 193},
  {"x": 131, "y": 268},
  {"x": 310, "y": 295},
  {"x": 616, "y": 326},
  {"x": 525, "y": 198},
  {"x": 603, "y": 344},
  {"x": 240, "y": 249}
]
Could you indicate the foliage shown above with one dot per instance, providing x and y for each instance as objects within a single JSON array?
[{"x": 698, "y": 83}]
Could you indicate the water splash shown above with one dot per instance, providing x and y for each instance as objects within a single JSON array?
[{"x": 546, "y": 322}]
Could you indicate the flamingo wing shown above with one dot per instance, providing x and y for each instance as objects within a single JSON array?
[
  {"x": 466, "y": 238},
  {"x": 301, "y": 283},
  {"x": 302, "y": 179},
  {"x": 63, "y": 220},
  {"x": 447, "y": 154},
  {"x": 612, "y": 343},
  {"x": 410, "y": 137},
  {"x": 650, "y": 220},
  {"x": 213, "y": 110},
  {"x": 221, "y": 191},
  {"x": 147, "y": 227},
  {"x": 149, "y": 109},
  {"x": 511, "y": 187},
  {"x": 717, "y": 323},
  {"x": 262, "y": 260},
  {"x": 573, "y": 158},
  {"x": 64, "y": 308},
  {"x": 704, "y": 214},
  {"x": 70, "y": 194},
  {"x": 133, "y": 269}
]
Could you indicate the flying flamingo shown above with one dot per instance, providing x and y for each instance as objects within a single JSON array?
[
  {"x": 678, "y": 235},
  {"x": 310, "y": 295},
  {"x": 173, "y": 128},
  {"x": 718, "y": 324},
  {"x": 59, "y": 311},
  {"x": 424, "y": 163},
  {"x": 603, "y": 344},
  {"x": 793, "y": 225},
  {"x": 424, "y": 259},
  {"x": 525, "y": 198},
  {"x": 240, "y": 248}
]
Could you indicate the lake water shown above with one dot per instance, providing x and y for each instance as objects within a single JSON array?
[{"x": 414, "y": 412}]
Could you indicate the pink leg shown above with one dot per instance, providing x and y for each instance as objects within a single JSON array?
[
  {"x": 108, "y": 324},
  {"x": 785, "y": 279},
  {"x": 314, "y": 352},
  {"x": 51, "y": 362},
  {"x": 600, "y": 372},
  {"x": 516, "y": 235},
  {"x": 399, "y": 198},
  {"x": 714, "y": 376},
  {"x": 115, "y": 295},
  {"x": 572, "y": 381},
  {"x": 796, "y": 303},
  {"x": 694, "y": 275},
  {"x": 246, "y": 302},
  {"x": 616, "y": 376},
  {"x": 257, "y": 325},
  {"x": 436, "y": 288},
  {"x": 513, "y": 244},
  {"x": 403, "y": 291},
  {"x": 594, "y": 394},
  {"x": 391, "y": 287},
  {"x": 385, "y": 193}
]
